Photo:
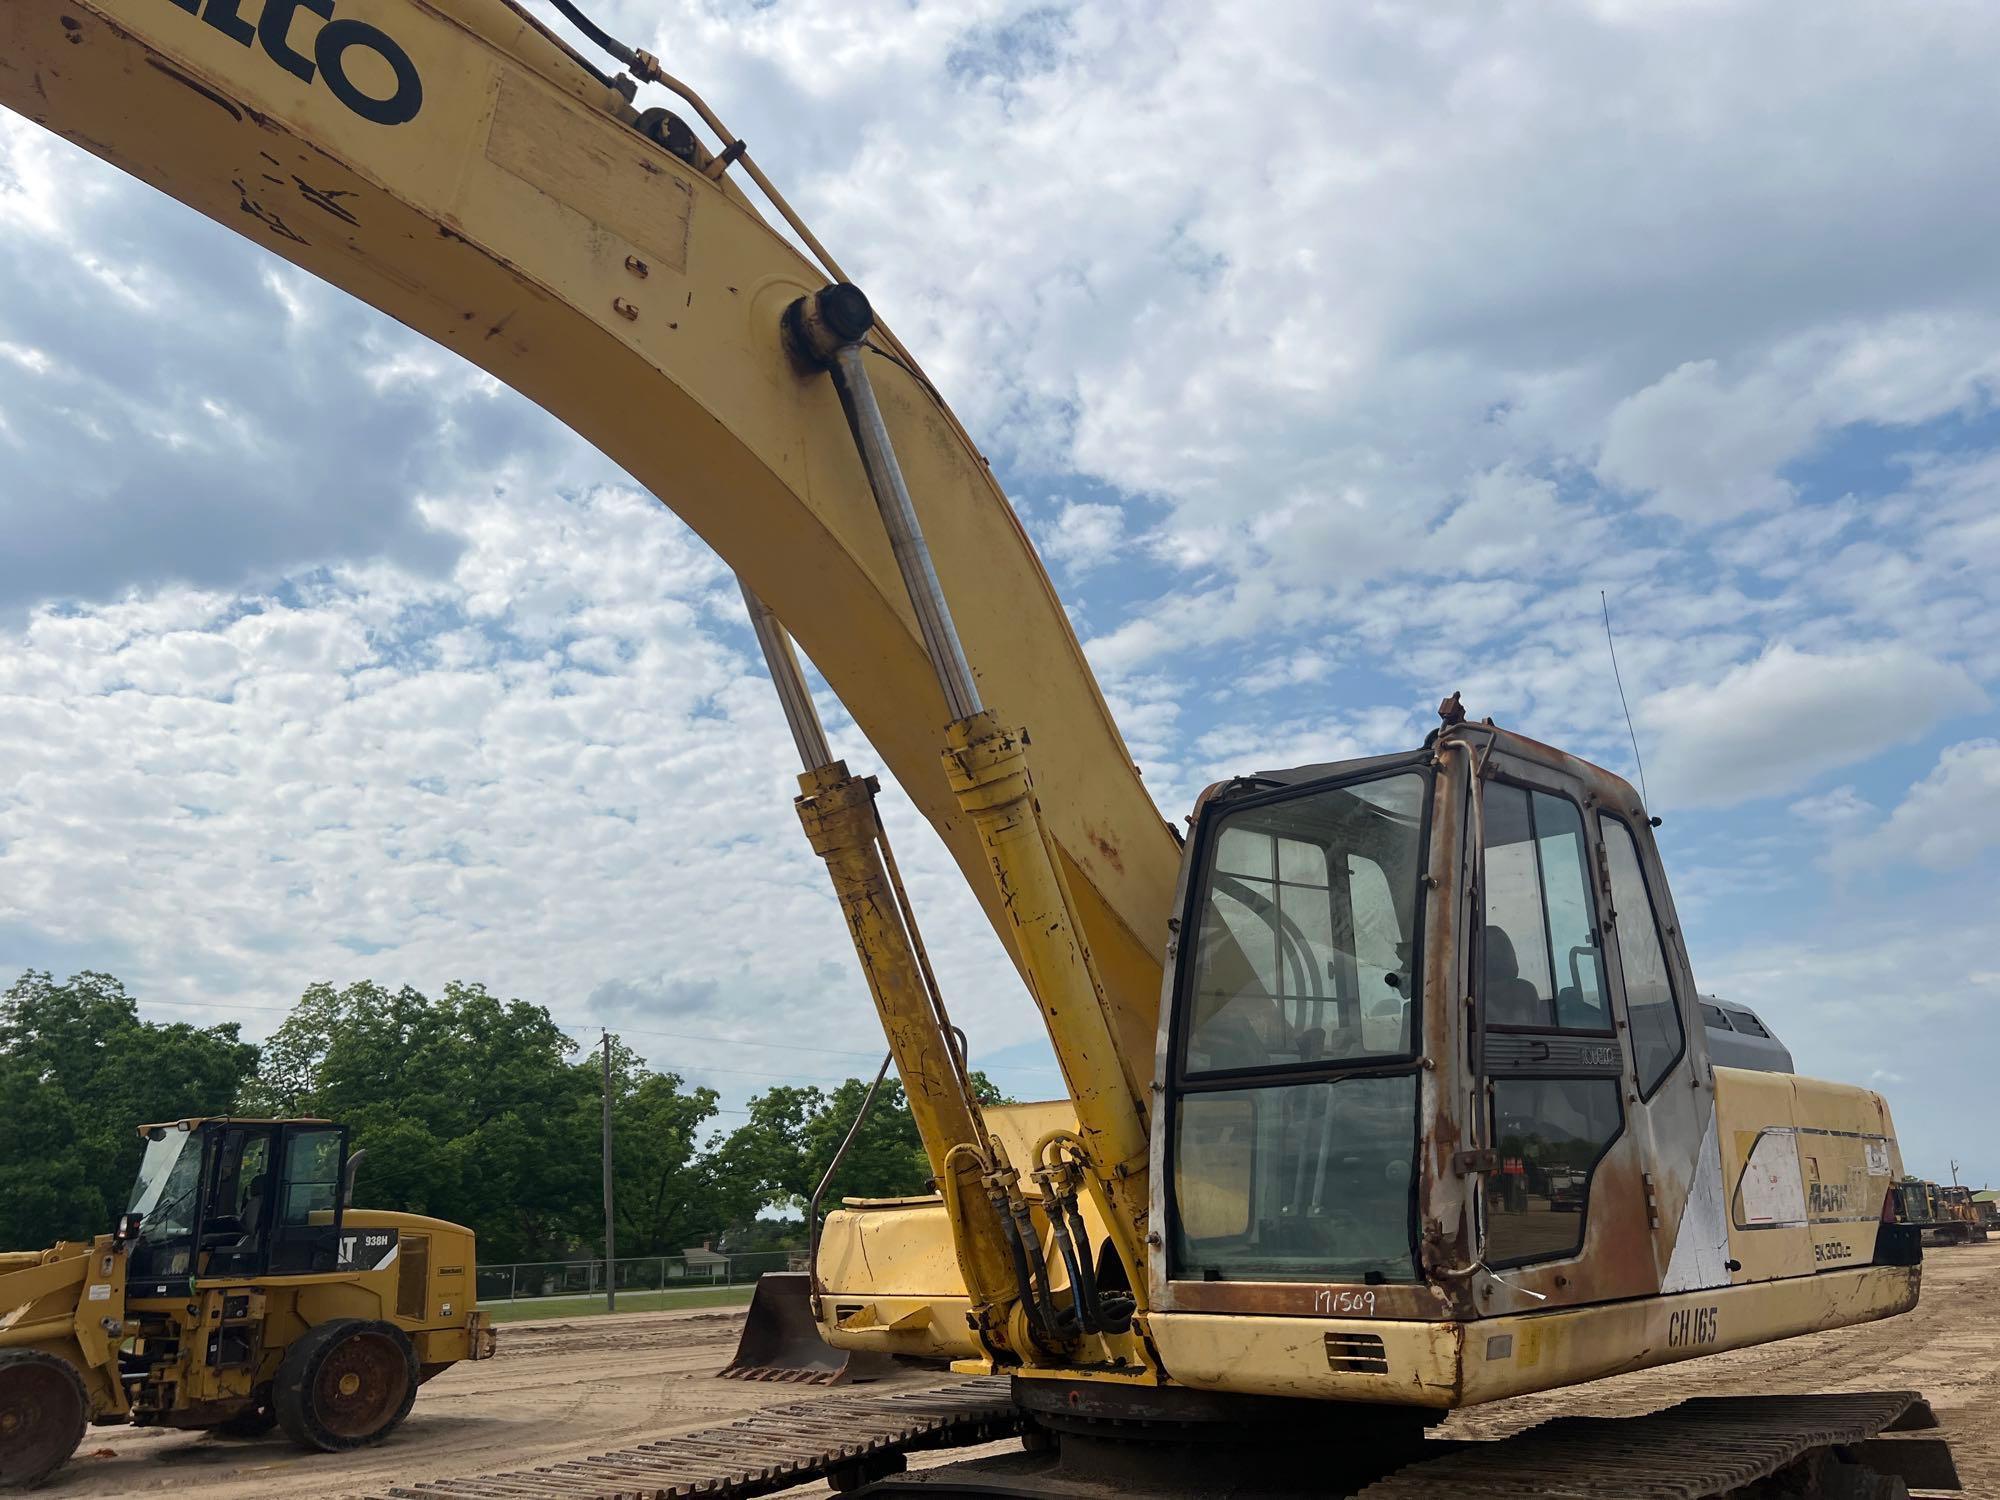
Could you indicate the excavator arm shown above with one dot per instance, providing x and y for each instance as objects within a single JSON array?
[{"x": 454, "y": 164}]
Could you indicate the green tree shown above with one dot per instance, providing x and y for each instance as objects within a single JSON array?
[
  {"x": 485, "y": 1112},
  {"x": 79, "y": 1071},
  {"x": 470, "y": 1107},
  {"x": 794, "y": 1133},
  {"x": 673, "y": 1188}
]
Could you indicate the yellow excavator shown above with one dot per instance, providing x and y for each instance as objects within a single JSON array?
[{"x": 1384, "y": 1088}]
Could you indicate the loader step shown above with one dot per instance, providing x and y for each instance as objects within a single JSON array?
[{"x": 770, "y": 1450}]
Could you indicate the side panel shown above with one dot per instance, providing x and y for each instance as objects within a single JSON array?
[
  {"x": 1806, "y": 1165},
  {"x": 891, "y": 1282},
  {"x": 1448, "y": 1365}
]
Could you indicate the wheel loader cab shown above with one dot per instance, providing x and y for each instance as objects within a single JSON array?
[{"x": 236, "y": 1199}]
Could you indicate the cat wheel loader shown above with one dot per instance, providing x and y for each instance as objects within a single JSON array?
[
  {"x": 239, "y": 1291},
  {"x": 1384, "y": 1088}
]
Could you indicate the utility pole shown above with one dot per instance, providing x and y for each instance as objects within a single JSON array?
[
  {"x": 610, "y": 1244},
  {"x": 1954, "y": 1174}
]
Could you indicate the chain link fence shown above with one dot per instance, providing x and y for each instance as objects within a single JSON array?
[{"x": 528, "y": 1279}]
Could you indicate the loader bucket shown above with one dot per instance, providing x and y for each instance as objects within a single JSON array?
[{"x": 781, "y": 1341}]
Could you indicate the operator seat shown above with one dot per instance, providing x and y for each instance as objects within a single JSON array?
[{"x": 1510, "y": 999}]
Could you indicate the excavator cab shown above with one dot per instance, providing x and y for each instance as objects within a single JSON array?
[
  {"x": 1431, "y": 1063},
  {"x": 1358, "y": 928},
  {"x": 236, "y": 1198}
]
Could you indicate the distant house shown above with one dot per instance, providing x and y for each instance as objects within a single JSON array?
[{"x": 704, "y": 1264}]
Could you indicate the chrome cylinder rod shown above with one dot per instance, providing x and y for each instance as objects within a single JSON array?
[
  {"x": 906, "y": 536},
  {"x": 801, "y": 716},
  {"x": 905, "y": 533},
  {"x": 827, "y": 329}
]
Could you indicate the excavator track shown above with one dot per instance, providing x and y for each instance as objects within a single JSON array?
[
  {"x": 774, "y": 1449},
  {"x": 1702, "y": 1448},
  {"x": 1707, "y": 1446}
]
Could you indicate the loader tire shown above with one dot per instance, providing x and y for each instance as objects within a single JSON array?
[
  {"x": 43, "y": 1411},
  {"x": 345, "y": 1384}
]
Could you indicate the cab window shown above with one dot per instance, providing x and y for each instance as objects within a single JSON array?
[
  {"x": 1550, "y": 1134},
  {"x": 1650, "y": 1005},
  {"x": 1294, "y": 1116},
  {"x": 1305, "y": 949},
  {"x": 1542, "y": 965},
  {"x": 312, "y": 1174},
  {"x": 238, "y": 1205}
]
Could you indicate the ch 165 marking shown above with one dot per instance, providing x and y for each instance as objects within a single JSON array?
[{"x": 1692, "y": 1326}]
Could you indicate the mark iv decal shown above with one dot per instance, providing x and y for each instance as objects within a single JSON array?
[
  {"x": 1828, "y": 1198},
  {"x": 1692, "y": 1327},
  {"x": 271, "y": 33},
  {"x": 367, "y": 1249}
]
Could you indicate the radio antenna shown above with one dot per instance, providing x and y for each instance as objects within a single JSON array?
[{"x": 1615, "y": 677}]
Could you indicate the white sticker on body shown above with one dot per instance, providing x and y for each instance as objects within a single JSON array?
[
  {"x": 1878, "y": 1158},
  {"x": 100, "y": 1293},
  {"x": 1771, "y": 1191}
]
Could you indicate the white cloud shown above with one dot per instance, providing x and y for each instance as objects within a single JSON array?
[
  {"x": 551, "y": 770},
  {"x": 1843, "y": 807},
  {"x": 1289, "y": 671},
  {"x": 1947, "y": 821},
  {"x": 1707, "y": 448},
  {"x": 1084, "y": 536},
  {"x": 1703, "y": 452},
  {"x": 1769, "y": 726}
]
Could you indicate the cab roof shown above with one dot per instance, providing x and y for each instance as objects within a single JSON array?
[{"x": 195, "y": 1122}]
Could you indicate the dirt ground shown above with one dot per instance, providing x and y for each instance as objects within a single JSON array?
[{"x": 565, "y": 1390}]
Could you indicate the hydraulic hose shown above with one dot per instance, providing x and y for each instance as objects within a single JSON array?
[
  {"x": 1045, "y": 1302},
  {"x": 1030, "y": 1297},
  {"x": 1087, "y": 1273},
  {"x": 596, "y": 33},
  {"x": 1086, "y": 1316}
]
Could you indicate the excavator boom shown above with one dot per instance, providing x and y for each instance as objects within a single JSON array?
[{"x": 453, "y": 164}]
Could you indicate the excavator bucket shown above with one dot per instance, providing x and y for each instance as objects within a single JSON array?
[{"x": 781, "y": 1341}]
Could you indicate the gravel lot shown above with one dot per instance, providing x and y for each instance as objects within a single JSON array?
[{"x": 563, "y": 1390}]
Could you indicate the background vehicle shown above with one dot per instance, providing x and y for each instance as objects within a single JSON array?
[
  {"x": 238, "y": 1291},
  {"x": 1945, "y": 1215},
  {"x": 1298, "y": 1047}
]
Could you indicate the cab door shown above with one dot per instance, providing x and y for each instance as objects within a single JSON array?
[
  {"x": 1552, "y": 1058},
  {"x": 237, "y": 1201},
  {"x": 306, "y": 1235}
]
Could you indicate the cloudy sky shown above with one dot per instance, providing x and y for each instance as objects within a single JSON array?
[{"x": 1338, "y": 356}]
